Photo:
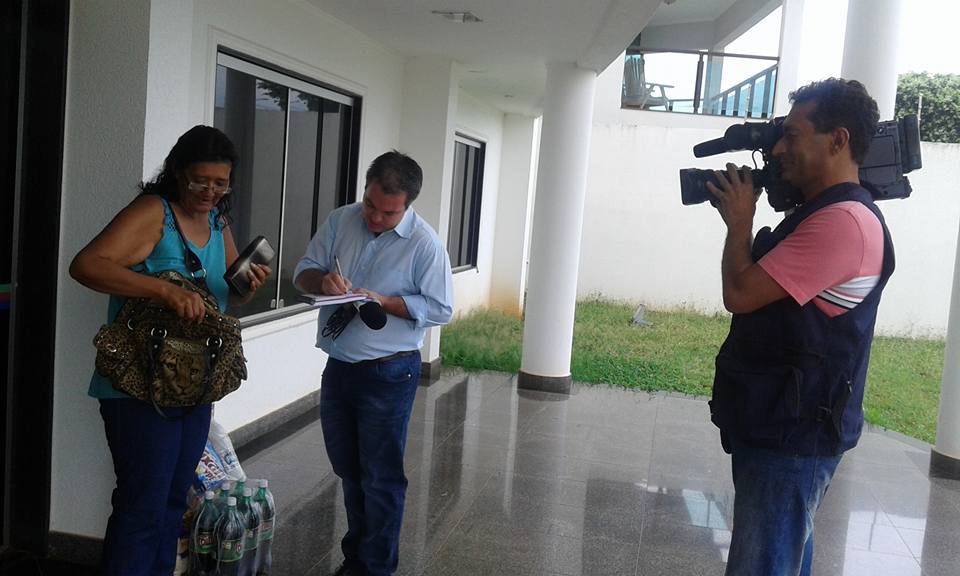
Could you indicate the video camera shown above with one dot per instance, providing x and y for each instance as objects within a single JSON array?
[{"x": 894, "y": 151}]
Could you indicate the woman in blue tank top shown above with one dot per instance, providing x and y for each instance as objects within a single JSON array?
[{"x": 155, "y": 458}]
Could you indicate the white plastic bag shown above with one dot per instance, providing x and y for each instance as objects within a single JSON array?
[
  {"x": 218, "y": 461},
  {"x": 219, "y": 440}
]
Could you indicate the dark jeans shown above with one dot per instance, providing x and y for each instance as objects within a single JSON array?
[
  {"x": 155, "y": 461},
  {"x": 364, "y": 411},
  {"x": 777, "y": 496}
]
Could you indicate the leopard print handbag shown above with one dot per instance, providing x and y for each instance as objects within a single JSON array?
[{"x": 151, "y": 354}]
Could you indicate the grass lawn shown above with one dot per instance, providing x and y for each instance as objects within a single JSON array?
[{"x": 676, "y": 352}]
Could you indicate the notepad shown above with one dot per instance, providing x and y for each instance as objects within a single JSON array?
[{"x": 324, "y": 300}]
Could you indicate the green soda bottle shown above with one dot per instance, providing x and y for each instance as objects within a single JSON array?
[
  {"x": 268, "y": 517},
  {"x": 250, "y": 514},
  {"x": 203, "y": 559},
  {"x": 229, "y": 540}
]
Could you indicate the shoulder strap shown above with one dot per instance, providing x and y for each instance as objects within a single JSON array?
[{"x": 193, "y": 262}]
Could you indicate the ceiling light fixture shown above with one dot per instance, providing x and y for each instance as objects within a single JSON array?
[{"x": 458, "y": 17}]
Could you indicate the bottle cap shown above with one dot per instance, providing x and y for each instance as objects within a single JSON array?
[
  {"x": 208, "y": 495},
  {"x": 263, "y": 483},
  {"x": 226, "y": 485},
  {"x": 231, "y": 501},
  {"x": 247, "y": 492}
]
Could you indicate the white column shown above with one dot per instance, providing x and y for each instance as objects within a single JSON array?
[
  {"x": 514, "y": 204},
  {"x": 870, "y": 49},
  {"x": 946, "y": 452},
  {"x": 557, "y": 223},
  {"x": 430, "y": 92},
  {"x": 791, "y": 43}
]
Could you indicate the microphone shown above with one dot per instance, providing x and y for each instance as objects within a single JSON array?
[
  {"x": 372, "y": 314},
  {"x": 711, "y": 147}
]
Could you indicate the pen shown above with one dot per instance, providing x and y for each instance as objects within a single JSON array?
[{"x": 337, "y": 262}]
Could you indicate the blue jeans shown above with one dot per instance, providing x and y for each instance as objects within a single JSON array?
[
  {"x": 155, "y": 461},
  {"x": 364, "y": 411},
  {"x": 776, "y": 498}
]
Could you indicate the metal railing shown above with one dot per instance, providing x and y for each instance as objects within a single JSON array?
[{"x": 655, "y": 79}]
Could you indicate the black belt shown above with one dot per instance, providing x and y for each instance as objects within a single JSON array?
[{"x": 393, "y": 356}]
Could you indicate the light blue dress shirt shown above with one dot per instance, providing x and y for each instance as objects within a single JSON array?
[{"x": 408, "y": 261}]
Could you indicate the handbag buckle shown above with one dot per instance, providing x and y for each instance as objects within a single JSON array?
[
  {"x": 158, "y": 333},
  {"x": 214, "y": 341}
]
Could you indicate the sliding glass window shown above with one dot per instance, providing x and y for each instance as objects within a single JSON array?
[
  {"x": 297, "y": 142},
  {"x": 464, "y": 233}
]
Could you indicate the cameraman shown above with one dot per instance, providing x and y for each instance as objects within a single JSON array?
[{"x": 789, "y": 381}]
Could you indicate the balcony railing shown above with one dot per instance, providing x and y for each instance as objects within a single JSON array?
[{"x": 699, "y": 82}]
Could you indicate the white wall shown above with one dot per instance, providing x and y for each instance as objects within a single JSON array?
[
  {"x": 123, "y": 116},
  {"x": 102, "y": 162},
  {"x": 924, "y": 229},
  {"x": 477, "y": 120},
  {"x": 640, "y": 243}
]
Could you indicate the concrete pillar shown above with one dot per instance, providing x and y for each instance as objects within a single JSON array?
[
  {"x": 514, "y": 209},
  {"x": 945, "y": 456},
  {"x": 557, "y": 223},
  {"x": 870, "y": 49},
  {"x": 430, "y": 93},
  {"x": 791, "y": 43}
]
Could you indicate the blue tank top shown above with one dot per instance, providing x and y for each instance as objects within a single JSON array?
[{"x": 168, "y": 255}]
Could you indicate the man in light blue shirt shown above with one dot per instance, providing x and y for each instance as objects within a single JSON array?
[{"x": 384, "y": 250}]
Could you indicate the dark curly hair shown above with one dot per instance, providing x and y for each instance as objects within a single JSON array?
[
  {"x": 842, "y": 103},
  {"x": 397, "y": 173},
  {"x": 198, "y": 144}
]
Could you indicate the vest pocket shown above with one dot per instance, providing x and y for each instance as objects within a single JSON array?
[{"x": 756, "y": 403}]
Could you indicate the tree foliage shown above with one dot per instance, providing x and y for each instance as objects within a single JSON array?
[{"x": 940, "y": 112}]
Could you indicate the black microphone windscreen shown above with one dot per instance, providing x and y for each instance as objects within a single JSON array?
[
  {"x": 710, "y": 148},
  {"x": 373, "y": 315}
]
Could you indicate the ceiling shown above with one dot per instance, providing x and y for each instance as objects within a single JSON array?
[
  {"x": 504, "y": 56},
  {"x": 685, "y": 11}
]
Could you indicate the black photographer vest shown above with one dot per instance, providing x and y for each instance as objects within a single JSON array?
[{"x": 789, "y": 377}]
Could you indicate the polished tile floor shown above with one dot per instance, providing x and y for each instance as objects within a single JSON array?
[{"x": 603, "y": 481}]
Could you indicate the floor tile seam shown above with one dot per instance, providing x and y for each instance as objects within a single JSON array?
[
  {"x": 911, "y": 556},
  {"x": 313, "y": 489},
  {"x": 439, "y": 549},
  {"x": 319, "y": 561},
  {"x": 576, "y": 459},
  {"x": 534, "y": 477},
  {"x": 900, "y": 533},
  {"x": 636, "y": 560},
  {"x": 872, "y": 486}
]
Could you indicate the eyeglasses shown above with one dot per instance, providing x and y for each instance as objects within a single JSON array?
[{"x": 218, "y": 190}]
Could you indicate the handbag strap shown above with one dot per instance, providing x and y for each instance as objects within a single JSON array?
[{"x": 190, "y": 258}]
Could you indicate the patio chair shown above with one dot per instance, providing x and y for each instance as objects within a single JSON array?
[{"x": 637, "y": 92}]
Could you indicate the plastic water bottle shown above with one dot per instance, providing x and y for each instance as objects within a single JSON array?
[
  {"x": 226, "y": 490},
  {"x": 268, "y": 517},
  {"x": 229, "y": 540},
  {"x": 203, "y": 559},
  {"x": 251, "y": 535},
  {"x": 238, "y": 487}
]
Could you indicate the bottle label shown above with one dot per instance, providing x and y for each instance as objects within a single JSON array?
[
  {"x": 266, "y": 530},
  {"x": 250, "y": 539},
  {"x": 205, "y": 543},
  {"x": 231, "y": 550}
]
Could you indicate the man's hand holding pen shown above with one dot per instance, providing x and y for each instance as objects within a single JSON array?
[{"x": 334, "y": 283}]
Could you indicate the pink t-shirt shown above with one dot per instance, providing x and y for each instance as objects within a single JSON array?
[{"x": 834, "y": 257}]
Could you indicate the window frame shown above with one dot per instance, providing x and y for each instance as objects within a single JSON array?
[
  {"x": 471, "y": 220},
  {"x": 348, "y": 163}
]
